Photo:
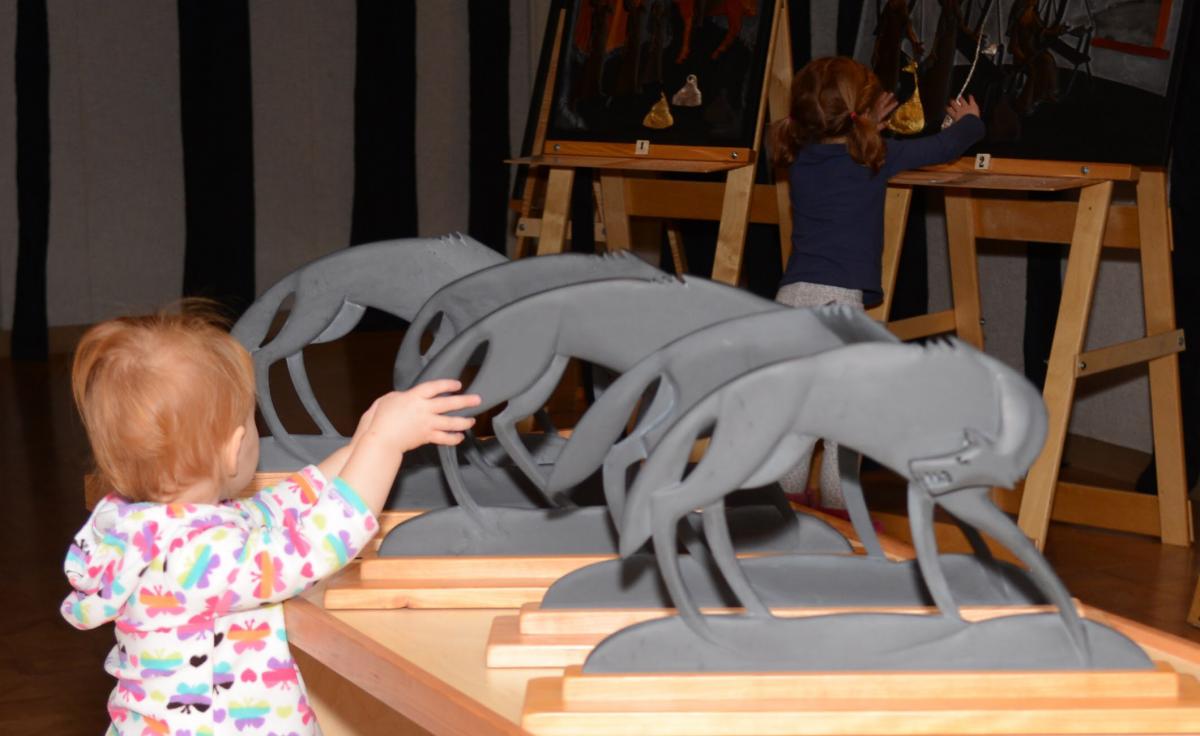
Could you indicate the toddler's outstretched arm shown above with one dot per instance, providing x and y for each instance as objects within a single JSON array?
[
  {"x": 396, "y": 423},
  {"x": 312, "y": 524}
]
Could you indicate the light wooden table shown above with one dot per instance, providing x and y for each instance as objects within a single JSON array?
[
  {"x": 404, "y": 672},
  {"x": 407, "y": 672}
]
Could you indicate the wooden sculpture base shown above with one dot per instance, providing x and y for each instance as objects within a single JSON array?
[
  {"x": 375, "y": 582},
  {"x": 539, "y": 637},
  {"x": 351, "y": 592},
  {"x": 473, "y": 581},
  {"x": 1165, "y": 700},
  {"x": 1151, "y": 701},
  {"x": 450, "y": 582}
]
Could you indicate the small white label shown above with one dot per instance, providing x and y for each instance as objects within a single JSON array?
[
  {"x": 983, "y": 161},
  {"x": 642, "y": 147}
]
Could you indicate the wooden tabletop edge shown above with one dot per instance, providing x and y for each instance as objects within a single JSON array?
[{"x": 424, "y": 698}]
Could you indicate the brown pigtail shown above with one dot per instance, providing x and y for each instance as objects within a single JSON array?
[
  {"x": 864, "y": 144},
  {"x": 830, "y": 101},
  {"x": 781, "y": 142}
]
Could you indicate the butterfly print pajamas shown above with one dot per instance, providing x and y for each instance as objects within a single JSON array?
[{"x": 195, "y": 592}]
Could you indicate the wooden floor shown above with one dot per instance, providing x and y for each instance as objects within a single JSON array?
[{"x": 51, "y": 676}]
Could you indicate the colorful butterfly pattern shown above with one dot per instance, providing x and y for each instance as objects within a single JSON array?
[{"x": 195, "y": 592}]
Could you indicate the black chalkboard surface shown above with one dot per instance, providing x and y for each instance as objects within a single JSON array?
[
  {"x": 1075, "y": 80},
  {"x": 676, "y": 72}
]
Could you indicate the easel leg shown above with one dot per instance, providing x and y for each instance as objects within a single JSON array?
[
  {"x": 779, "y": 86},
  {"x": 964, "y": 266},
  {"x": 1083, "y": 262},
  {"x": 524, "y": 246},
  {"x": 1159, "y": 300},
  {"x": 539, "y": 140},
  {"x": 556, "y": 211},
  {"x": 675, "y": 243},
  {"x": 735, "y": 217},
  {"x": 1193, "y": 616},
  {"x": 895, "y": 220},
  {"x": 616, "y": 218}
]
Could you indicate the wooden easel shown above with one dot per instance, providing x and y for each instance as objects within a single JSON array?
[
  {"x": 623, "y": 169},
  {"x": 1090, "y": 226}
]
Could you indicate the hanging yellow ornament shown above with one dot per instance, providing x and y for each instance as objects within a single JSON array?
[
  {"x": 659, "y": 116},
  {"x": 909, "y": 118}
]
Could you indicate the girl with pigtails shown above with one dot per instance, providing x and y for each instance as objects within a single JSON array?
[{"x": 838, "y": 168}]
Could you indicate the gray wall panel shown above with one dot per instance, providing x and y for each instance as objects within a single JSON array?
[
  {"x": 302, "y": 61},
  {"x": 116, "y": 159},
  {"x": 1116, "y": 407},
  {"x": 443, "y": 108}
]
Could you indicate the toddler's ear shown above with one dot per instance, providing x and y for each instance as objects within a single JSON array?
[{"x": 232, "y": 450}]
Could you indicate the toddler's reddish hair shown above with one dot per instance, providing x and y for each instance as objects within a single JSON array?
[
  {"x": 159, "y": 396},
  {"x": 831, "y": 97}
]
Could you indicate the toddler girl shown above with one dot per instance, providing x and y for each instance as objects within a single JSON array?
[
  {"x": 838, "y": 169},
  {"x": 192, "y": 577}
]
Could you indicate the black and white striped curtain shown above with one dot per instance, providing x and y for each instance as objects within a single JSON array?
[
  {"x": 211, "y": 146},
  {"x": 207, "y": 147}
]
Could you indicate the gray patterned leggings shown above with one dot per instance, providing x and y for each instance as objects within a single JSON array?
[{"x": 804, "y": 294}]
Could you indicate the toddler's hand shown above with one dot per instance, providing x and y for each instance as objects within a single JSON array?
[
  {"x": 416, "y": 417},
  {"x": 958, "y": 108}
]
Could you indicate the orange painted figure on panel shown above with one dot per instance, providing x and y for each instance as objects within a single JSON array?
[
  {"x": 1031, "y": 37},
  {"x": 734, "y": 12}
]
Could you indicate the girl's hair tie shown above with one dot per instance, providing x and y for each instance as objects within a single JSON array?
[{"x": 853, "y": 115}]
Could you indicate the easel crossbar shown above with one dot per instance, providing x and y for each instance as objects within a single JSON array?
[
  {"x": 1129, "y": 353},
  {"x": 1049, "y": 222},
  {"x": 923, "y": 325}
]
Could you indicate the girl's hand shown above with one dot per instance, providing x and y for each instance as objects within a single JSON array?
[
  {"x": 884, "y": 106},
  {"x": 958, "y": 108},
  {"x": 416, "y": 417}
]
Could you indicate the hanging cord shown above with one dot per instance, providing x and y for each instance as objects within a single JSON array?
[{"x": 948, "y": 121}]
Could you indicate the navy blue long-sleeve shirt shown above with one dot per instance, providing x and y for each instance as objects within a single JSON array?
[{"x": 837, "y": 206}]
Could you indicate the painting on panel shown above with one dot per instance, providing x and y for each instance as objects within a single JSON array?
[
  {"x": 680, "y": 72},
  {"x": 1080, "y": 80}
]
